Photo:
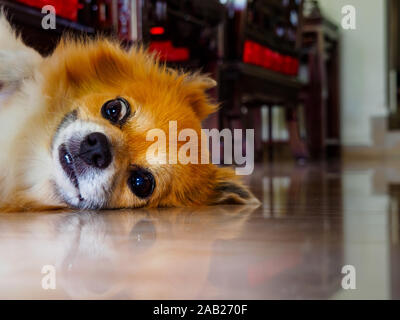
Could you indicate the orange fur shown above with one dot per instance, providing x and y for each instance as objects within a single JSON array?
[{"x": 82, "y": 75}]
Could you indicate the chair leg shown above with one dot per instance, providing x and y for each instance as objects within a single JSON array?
[
  {"x": 297, "y": 145},
  {"x": 270, "y": 137}
]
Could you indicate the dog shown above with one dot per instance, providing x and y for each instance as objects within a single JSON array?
[{"x": 73, "y": 129}]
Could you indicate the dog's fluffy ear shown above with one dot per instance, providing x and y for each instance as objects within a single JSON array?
[
  {"x": 230, "y": 190},
  {"x": 196, "y": 86}
]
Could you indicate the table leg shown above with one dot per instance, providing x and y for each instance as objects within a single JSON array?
[{"x": 297, "y": 145}]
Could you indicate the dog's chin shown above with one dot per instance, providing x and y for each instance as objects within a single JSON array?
[
  {"x": 70, "y": 195},
  {"x": 75, "y": 201},
  {"x": 82, "y": 204}
]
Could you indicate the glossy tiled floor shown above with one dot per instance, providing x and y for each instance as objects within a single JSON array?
[{"x": 314, "y": 220}]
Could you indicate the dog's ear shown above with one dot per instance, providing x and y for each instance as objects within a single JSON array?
[
  {"x": 196, "y": 86},
  {"x": 229, "y": 189}
]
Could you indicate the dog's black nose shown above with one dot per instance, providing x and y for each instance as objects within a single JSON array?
[{"x": 95, "y": 150}]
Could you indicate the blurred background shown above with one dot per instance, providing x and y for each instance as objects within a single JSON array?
[{"x": 310, "y": 88}]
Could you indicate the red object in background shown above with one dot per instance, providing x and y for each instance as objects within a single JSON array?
[
  {"x": 267, "y": 54},
  {"x": 248, "y": 52},
  {"x": 157, "y": 30},
  {"x": 64, "y": 8},
  {"x": 259, "y": 55},
  {"x": 167, "y": 52}
]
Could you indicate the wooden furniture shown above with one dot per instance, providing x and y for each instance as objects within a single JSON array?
[
  {"x": 28, "y": 22},
  {"x": 274, "y": 25},
  {"x": 243, "y": 85},
  {"x": 320, "y": 53}
]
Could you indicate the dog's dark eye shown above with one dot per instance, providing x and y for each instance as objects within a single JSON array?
[
  {"x": 142, "y": 183},
  {"x": 116, "y": 111}
]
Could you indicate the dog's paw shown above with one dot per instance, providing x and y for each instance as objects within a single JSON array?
[{"x": 229, "y": 189}]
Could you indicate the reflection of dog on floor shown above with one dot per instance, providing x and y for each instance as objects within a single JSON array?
[
  {"x": 148, "y": 253},
  {"x": 73, "y": 129}
]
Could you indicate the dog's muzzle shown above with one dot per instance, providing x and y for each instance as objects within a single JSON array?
[{"x": 84, "y": 168}]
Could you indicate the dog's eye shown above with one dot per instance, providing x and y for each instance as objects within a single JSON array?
[
  {"x": 116, "y": 111},
  {"x": 142, "y": 183}
]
